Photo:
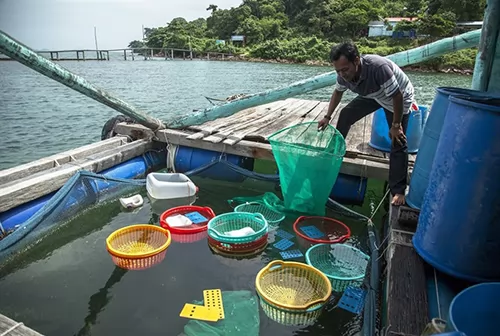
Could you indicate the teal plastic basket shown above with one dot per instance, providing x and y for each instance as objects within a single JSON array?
[
  {"x": 272, "y": 216},
  {"x": 219, "y": 225},
  {"x": 343, "y": 264}
]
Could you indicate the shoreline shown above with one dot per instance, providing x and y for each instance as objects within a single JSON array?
[{"x": 414, "y": 68}]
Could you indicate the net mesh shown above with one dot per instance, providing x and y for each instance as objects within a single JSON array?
[
  {"x": 308, "y": 162},
  {"x": 83, "y": 190},
  {"x": 241, "y": 317}
]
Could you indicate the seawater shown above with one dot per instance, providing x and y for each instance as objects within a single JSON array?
[
  {"x": 67, "y": 284},
  {"x": 41, "y": 117}
]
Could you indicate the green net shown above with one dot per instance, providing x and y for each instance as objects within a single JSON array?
[
  {"x": 241, "y": 313},
  {"x": 308, "y": 162}
]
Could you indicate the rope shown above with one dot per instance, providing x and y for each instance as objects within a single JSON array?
[{"x": 15, "y": 326}]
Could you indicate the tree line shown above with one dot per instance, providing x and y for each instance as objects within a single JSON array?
[{"x": 300, "y": 30}]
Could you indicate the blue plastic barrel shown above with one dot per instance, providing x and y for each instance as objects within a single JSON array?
[
  {"x": 474, "y": 311},
  {"x": 349, "y": 189},
  {"x": 380, "y": 130},
  {"x": 430, "y": 137},
  {"x": 458, "y": 230},
  {"x": 188, "y": 158}
]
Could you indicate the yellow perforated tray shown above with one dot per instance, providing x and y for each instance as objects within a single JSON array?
[
  {"x": 212, "y": 299},
  {"x": 199, "y": 313}
]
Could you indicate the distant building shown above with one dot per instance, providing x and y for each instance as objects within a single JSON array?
[{"x": 378, "y": 28}]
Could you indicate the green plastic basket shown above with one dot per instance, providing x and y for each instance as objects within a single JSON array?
[
  {"x": 219, "y": 225},
  {"x": 343, "y": 264},
  {"x": 272, "y": 216}
]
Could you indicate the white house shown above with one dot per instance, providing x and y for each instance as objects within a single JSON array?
[{"x": 378, "y": 28}]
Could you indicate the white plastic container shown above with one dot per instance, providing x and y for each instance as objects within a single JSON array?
[
  {"x": 169, "y": 185},
  {"x": 132, "y": 202}
]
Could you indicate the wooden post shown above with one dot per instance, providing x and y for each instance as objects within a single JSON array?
[
  {"x": 107, "y": 54},
  {"x": 151, "y": 52},
  {"x": 208, "y": 56},
  {"x": 77, "y": 55},
  {"x": 172, "y": 53},
  {"x": 83, "y": 54},
  {"x": 21, "y": 53},
  {"x": 133, "y": 56},
  {"x": 124, "y": 54}
]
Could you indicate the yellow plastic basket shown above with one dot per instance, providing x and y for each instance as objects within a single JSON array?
[
  {"x": 292, "y": 293},
  {"x": 137, "y": 247}
]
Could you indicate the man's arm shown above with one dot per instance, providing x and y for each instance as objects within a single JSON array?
[
  {"x": 386, "y": 78},
  {"x": 334, "y": 102},
  {"x": 397, "y": 103}
]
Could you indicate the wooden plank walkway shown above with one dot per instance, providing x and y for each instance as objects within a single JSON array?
[
  {"x": 246, "y": 133},
  {"x": 9, "y": 327},
  {"x": 258, "y": 123},
  {"x": 406, "y": 292}
]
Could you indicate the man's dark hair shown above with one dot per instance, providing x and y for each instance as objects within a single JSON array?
[{"x": 348, "y": 49}]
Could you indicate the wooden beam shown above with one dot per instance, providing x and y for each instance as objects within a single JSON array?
[
  {"x": 9, "y": 327},
  {"x": 406, "y": 284},
  {"x": 32, "y": 187},
  {"x": 28, "y": 169},
  {"x": 351, "y": 166}
]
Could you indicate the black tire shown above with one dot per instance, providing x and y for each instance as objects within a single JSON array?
[{"x": 108, "y": 130}]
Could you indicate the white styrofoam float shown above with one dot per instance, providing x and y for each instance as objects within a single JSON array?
[{"x": 169, "y": 185}]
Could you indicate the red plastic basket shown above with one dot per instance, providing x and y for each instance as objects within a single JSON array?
[
  {"x": 241, "y": 255},
  {"x": 238, "y": 247},
  {"x": 333, "y": 231},
  {"x": 191, "y": 233}
]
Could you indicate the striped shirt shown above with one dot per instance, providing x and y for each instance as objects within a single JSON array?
[{"x": 380, "y": 80}]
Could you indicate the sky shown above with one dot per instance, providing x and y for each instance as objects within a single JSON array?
[{"x": 69, "y": 24}]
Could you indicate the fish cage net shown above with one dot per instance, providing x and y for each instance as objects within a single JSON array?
[{"x": 82, "y": 191}]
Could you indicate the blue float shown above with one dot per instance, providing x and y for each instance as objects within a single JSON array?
[
  {"x": 380, "y": 140},
  {"x": 474, "y": 311},
  {"x": 130, "y": 169},
  {"x": 188, "y": 158},
  {"x": 349, "y": 189},
  {"x": 458, "y": 231},
  {"x": 428, "y": 143}
]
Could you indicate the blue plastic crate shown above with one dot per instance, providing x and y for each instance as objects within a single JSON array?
[
  {"x": 196, "y": 217},
  {"x": 353, "y": 300},
  {"x": 312, "y": 232},
  {"x": 283, "y": 234},
  {"x": 291, "y": 254},
  {"x": 283, "y": 244}
]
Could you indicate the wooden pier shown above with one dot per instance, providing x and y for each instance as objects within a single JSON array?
[
  {"x": 405, "y": 286},
  {"x": 9, "y": 327},
  {"x": 245, "y": 133},
  {"x": 127, "y": 54}
]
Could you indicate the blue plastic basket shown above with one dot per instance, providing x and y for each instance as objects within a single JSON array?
[
  {"x": 343, "y": 264},
  {"x": 221, "y": 224}
]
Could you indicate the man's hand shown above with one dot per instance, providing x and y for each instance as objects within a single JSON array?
[
  {"x": 397, "y": 135},
  {"x": 323, "y": 123}
]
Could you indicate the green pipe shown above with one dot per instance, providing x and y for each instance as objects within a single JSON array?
[
  {"x": 487, "y": 66},
  {"x": 21, "y": 53}
]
